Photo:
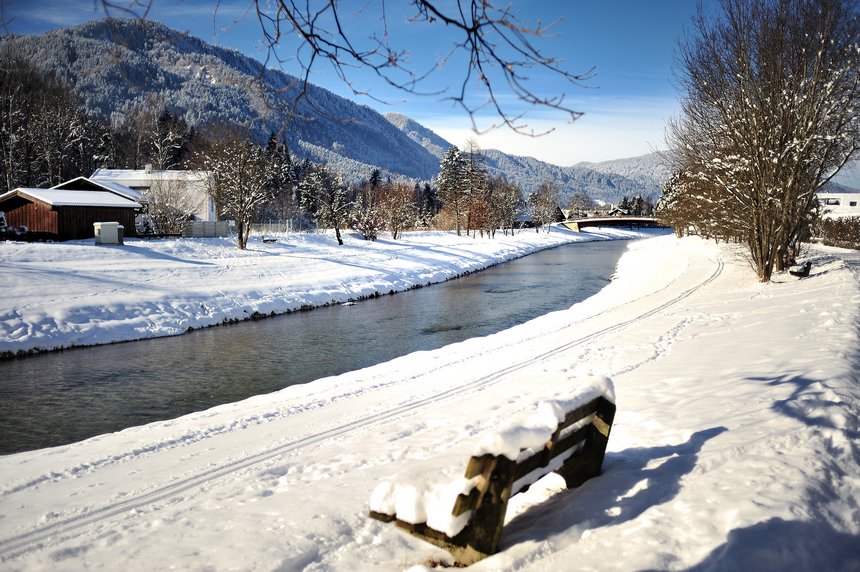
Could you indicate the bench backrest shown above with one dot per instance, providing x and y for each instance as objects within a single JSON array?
[{"x": 575, "y": 451}]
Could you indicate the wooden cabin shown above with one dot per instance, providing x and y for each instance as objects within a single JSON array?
[{"x": 66, "y": 214}]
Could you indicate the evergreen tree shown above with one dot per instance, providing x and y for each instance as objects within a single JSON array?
[
  {"x": 325, "y": 198},
  {"x": 451, "y": 185}
]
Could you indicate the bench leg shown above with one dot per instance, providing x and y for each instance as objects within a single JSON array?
[
  {"x": 587, "y": 462},
  {"x": 481, "y": 536}
]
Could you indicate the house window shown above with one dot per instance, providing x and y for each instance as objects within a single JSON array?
[
  {"x": 852, "y": 204},
  {"x": 831, "y": 202}
]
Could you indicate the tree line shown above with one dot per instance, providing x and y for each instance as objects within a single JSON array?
[
  {"x": 46, "y": 138},
  {"x": 476, "y": 201}
]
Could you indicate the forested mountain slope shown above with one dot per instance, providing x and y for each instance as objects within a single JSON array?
[{"x": 117, "y": 65}]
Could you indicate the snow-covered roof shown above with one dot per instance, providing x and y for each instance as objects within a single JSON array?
[
  {"x": 74, "y": 198},
  {"x": 128, "y": 192},
  {"x": 112, "y": 186},
  {"x": 145, "y": 177}
]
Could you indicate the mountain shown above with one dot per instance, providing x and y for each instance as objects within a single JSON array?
[
  {"x": 832, "y": 187},
  {"x": 429, "y": 140},
  {"x": 648, "y": 172},
  {"x": 607, "y": 181},
  {"x": 114, "y": 65}
]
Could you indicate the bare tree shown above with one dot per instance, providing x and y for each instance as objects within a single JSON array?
[
  {"x": 45, "y": 138},
  {"x": 240, "y": 176},
  {"x": 398, "y": 206},
  {"x": 171, "y": 203},
  {"x": 769, "y": 116},
  {"x": 580, "y": 204},
  {"x": 544, "y": 205},
  {"x": 505, "y": 201}
]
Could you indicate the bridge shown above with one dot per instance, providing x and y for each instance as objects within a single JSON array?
[{"x": 614, "y": 221}]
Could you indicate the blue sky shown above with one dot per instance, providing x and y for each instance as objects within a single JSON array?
[{"x": 630, "y": 43}]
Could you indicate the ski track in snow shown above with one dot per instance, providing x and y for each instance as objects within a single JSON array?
[{"x": 68, "y": 528}]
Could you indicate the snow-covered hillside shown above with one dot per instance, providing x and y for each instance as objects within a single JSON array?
[
  {"x": 649, "y": 171},
  {"x": 114, "y": 65},
  {"x": 430, "y": 140},
  {"x": 734, "y": 446}
]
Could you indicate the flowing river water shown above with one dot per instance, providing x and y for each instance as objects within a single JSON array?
[{"x": 59, "y": 398}]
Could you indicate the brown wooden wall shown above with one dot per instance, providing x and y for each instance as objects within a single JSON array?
[
  {"x": 36, "y": 216},
  {"x": 77, "y": 222},
  {"x": 64, "y": 223}
]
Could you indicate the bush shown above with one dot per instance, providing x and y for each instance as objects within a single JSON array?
[{"x": 841, "y": 232}]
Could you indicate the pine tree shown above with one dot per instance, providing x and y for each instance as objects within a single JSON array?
[
  {"x": 325, "y": 198},
  {"x": 451, "y": 184}
]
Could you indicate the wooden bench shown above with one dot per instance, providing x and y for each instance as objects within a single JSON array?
[
  {"x": 575, "y": 451},
  {"x": 803, "y": 271}
]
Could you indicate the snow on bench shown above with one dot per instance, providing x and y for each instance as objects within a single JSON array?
[
  {"x": 801, "y": 271},
  {"x": 465, "y": 514}
]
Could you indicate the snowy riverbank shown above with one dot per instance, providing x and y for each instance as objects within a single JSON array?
[
  {"x": 735, "y": 445},
  {"x": 60, "y": 295}
]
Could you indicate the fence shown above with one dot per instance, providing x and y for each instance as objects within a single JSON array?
[
  {"x": 206, "y": 229},
  {"x": 283, "y": 227}
]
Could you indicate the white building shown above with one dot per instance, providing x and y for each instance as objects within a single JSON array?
[
  {"x": 150, "y": 180},
  {"x": 838, "y": 205}
]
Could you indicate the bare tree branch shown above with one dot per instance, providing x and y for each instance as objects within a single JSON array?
[
  {"x": 496, "y": 45},
  {"x": 497, "y": 50}
]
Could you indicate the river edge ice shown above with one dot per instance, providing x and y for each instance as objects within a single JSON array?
[
  {"x": 734, "y": 444},
  {"x": 77, "y": 293}
]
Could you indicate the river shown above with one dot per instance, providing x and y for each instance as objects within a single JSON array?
[{"x": 63, "y": 397}]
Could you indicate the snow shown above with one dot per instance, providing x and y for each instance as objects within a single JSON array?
[
  {"x": 533, "y": 432},
  {"x": 62, "y": 197},
  {"x": 734, "y": 444}
]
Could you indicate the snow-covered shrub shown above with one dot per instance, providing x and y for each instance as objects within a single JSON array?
[{"x": 368, "y": 222}]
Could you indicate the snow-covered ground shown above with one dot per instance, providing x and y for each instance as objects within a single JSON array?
[
  {"x": 77, "y": 294},
  {"x": 735, "y": 444}
]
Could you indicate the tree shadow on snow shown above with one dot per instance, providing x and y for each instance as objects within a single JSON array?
[
  {"x": 632, "y": 481},
  {"x": 777, "y": 545},
  {"x": 154, "y": 254},
  {"x": 809, "y": 400},
  {"x": 813, "y": 403}
]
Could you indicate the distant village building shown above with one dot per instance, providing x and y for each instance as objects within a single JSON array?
[
  {"x": 148, "y": 180},
  {"x": 839, "y": 205},
  {"x": 67, "y": 214}
]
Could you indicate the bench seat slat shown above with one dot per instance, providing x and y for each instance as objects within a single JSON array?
[{"x": 540, "y": 459}]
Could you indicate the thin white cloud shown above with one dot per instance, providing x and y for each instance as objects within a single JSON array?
[
  {"x": 55, "y": 14},
  {"x": 610, "y": 129}
]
